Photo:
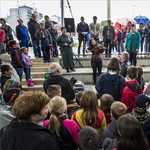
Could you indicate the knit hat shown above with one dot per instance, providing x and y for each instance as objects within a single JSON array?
[
  {"x": 142, "y": 101},
  {"x": 5, "y": 58}
]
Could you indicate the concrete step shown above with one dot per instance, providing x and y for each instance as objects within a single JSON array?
[
  {"x": 40, "y": 69},
  {"x": 33, "y": 88},
  {"x": 82, "y": 74},
  {"x": 41, "y": 59},
  {"x": 86, "y": 61}
]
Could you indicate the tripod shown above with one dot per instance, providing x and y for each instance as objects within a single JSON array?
[{"x": 77, "y": 60}]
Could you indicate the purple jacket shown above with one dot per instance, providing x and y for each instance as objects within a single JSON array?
[{"x": 26, "y": 60}]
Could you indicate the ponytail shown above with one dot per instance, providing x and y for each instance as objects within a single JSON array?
[
  {"x": 140, "y": 75},
  {"x": 54, "y": 124}
]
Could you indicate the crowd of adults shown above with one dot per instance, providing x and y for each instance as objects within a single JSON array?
[{"x": 115, "y": 117}]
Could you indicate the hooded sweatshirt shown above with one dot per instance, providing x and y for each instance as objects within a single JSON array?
[
  {"x": 66, "y": 87},
  {"x": 129, "y": 94},
  {"x": 16, "y": 57},
  {"x": 110, "y": 83}
]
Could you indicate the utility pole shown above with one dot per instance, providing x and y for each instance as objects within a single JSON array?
[
  {"x": 108, "y": 9},
  {"x": 62, "y": 12}
]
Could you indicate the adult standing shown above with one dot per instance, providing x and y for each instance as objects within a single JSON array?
[
  {"x": 108, "y": 36},
  {"x": 95, "y": 29},
  {"x": 127, "y": 29},
  {"x": 133, "y": 44},
  {"x": 45, "y": 39},
  {"x": 2, "y": 40},
  {"x": 142, "y": 34},
  {"x": 147, "y": 35},
  {"x": 54, "y": 35},
  {"x": 8, "y": 31},
  {"x": 83, "y": 30},
  {"x": 33, "y": 26},
  {"x": 47, "y": 23},
  {"x": 66, "y": 42},
  {"x": 22, "y": 34},
  {"x": 119, "y": 39}
]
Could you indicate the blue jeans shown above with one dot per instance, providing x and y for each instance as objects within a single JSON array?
[
  {"x": 148, "y": 46},
  {"x": 46, "y": 53},
  {"x": 24, "y": 43},
  {"x": 36, "y": 48},
  {"x": 27, "y": 72},
  {"x": 19, "y": 72},
  {"x": 55, "y": 53}
]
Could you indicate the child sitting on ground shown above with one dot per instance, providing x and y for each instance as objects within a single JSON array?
[
  {"x": 89, "y": 114},
  {"x": 27, "y": 65},
  {"x": 105, "y": 105},
  {"x": 140, "y": 78},
  {"x": 78, "y": 99},
  {"x": 132, "y": 136},
  {"x": 6, "y": 74},
  {"x": 142, "y": 103},
  {"x": 110, "y": 132},
  {"x": 88, "y": 139},
  {"x": 132, "y": 89},
  {"x": 66, "y": 130},
  {"x": 54, "y": 90}
]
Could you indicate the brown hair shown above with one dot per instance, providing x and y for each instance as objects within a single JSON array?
[
  {"x": 2, "y": 19},
  {"x": 90, "y": 44},
  {"x": 30, "y": 103},
  {"x": 114, "y": 65},
  {"x": 9, "y": 84},
  {"x": 11, "y": 43},
  {"x": 57, "y": 107},
  {"x": 88, "y": 139},
  {"x": 22, "y": 49},
  {"x": 89, "y": 104},
  {"x": 132, "y": 72},
  {"x": 78, "y": 97},
  {"x": 53, "y": 90},
  {"x": 140, "y": 75},
  {"x": 118, "y": 109},
  {"x": 105, "y": 103},
  {"x": 132, "y": 135}
]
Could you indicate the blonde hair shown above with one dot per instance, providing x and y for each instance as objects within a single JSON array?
[
  {"x": 11, "y": 84},
  {"x": 57, "y": 107},
  {"x": 118, "y": 109}
]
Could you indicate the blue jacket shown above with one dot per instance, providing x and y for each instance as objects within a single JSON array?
[
  {"x": 135, "y": 39},
  {"x": 4, "y": 78},
  {"x": 22, "y": 32},
  {"x": 110, "y": 84}
]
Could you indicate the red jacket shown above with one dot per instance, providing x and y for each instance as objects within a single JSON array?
[
  {"x": 2, "y": 35},
  {"x": 129, "y": 94}
]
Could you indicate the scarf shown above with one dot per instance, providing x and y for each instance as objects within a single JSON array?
[{"x": 143, "y": 117}]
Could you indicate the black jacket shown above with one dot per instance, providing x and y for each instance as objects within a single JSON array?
[
  {"x": 124, "y": 66},
  {"x": 82, "y": 28},
  {"x": 16, "y": 58},
  {"x": 66, "y": 87},
  {"x": 8, "y": 32},
  {"x": 33, "y": 26},
  {"x": 20, "y": 136},
  {"x": 110, "y": 131},
  {"x": 4, "y": 78}
]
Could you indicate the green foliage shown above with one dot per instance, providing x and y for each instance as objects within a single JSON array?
[{"x": 104, "y": 23}]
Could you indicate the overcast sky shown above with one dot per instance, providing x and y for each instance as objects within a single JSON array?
[{"x": 86, "y": 8}]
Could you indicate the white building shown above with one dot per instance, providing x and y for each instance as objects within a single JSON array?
[{"x": 23, "y": 12}]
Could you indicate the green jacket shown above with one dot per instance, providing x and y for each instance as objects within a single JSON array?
[
  {"x": 67, "y": 54},
  {"x": 135, "y": 39}
]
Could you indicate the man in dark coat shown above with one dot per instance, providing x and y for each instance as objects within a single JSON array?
[
  {"x": 56, "y": 78},
  {"x": 45, "y": 39},
  {"x": 24, "y": 133},
  {"x": 22, "y": 34},
  {"x": 82, "y": 30},
  {"x": 33, "y": 26},
  {"x": 108, "y": 36},
  {"x": 147, "y": 36}
]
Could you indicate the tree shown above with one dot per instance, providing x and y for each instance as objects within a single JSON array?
[{"x": 104, "y": 23}]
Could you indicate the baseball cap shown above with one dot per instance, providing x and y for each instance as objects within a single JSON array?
[
  {"x": 142, "y": 101},
  {"x": 19, "y": 20}
]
